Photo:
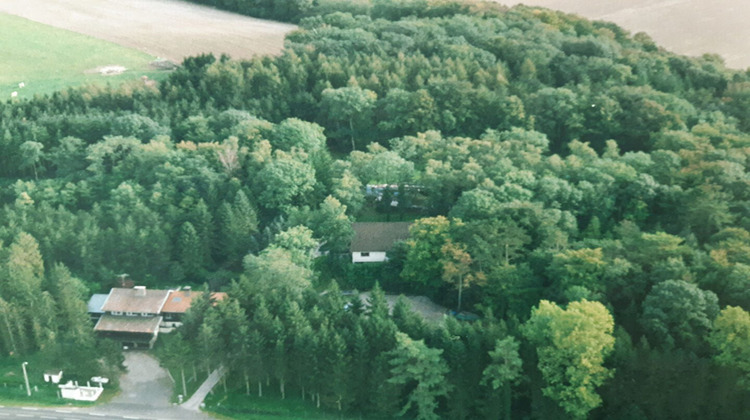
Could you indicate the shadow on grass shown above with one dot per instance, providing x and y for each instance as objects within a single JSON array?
[{"x": 237, "y": 405}]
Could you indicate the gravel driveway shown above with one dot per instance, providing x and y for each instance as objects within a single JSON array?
[{"x": 145, "y": 390}]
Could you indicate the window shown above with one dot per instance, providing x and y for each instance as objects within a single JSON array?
[
  {"x": 364, "y": 254},
  {"x": 145, "y": 314},
  {"x": 130, "y": 313},
  {"x": 116, "y": 312}
]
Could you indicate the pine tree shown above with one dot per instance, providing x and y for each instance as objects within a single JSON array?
[
  {"x": 190, "y": 253},
  {"x": 415, "y": 364}
]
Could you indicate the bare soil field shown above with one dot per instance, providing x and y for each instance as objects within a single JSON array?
[
  {"x": 422, "y": 305},
  {"x": 169, "y": 29},
  {"x": 690, "y": 27}
]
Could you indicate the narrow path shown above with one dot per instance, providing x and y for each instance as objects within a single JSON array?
[{"x": 195, "y": 401}]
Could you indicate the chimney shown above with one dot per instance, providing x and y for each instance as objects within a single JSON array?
[
  {"x": 188, "y": 289},
  {"x": 140, "y": 290}
]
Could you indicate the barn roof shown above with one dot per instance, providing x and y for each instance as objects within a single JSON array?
[
  {"x": 140, "y": 300},
  {"x": 128, "y": 324},
  {"x": 179, "y": 301},
  {"x": 378, "y": 236}
]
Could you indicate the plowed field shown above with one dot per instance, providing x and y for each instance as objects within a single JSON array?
[
  {"x": 168, "y": 29},
  {"x": 691, "y": 27}
]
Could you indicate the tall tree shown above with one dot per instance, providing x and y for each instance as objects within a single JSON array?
[
  {"x": 189, "y": 251},
  {"x": 504, "y": 370},
  {"x": 424, "y": 250},
  {"x": 731, "y": 340},
  {"x": 457, "y": 268},
  {"x": 571, "y": 345},
  {"x": 351, "y": 106},
  {"x": 31, "y": 156},
  {"x": 418, "y": 366},
  {"x": 679, "y": 314}
]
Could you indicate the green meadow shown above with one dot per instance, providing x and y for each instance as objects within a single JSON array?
[{"x": 47, "y": 59}]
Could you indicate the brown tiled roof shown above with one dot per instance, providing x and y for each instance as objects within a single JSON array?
[
  {"x": 179, "y": 301},
  {"x": 378, "y": 236},
  {"x": 130, "y": 324},
  {"x": 130, "y": 300}
]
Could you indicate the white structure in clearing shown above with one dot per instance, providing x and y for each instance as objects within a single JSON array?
[
  {"x": 373, "y": 240},
  {"x": 72, "y": 391},
  {"x": 53, "y": 376}
]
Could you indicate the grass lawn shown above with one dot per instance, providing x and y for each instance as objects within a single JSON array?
[
  {"x": 13, "y": 388},
  {"x": 237, "y": 405},
  {"x": 48, "y": 59},
  {"x": 368, "y": 213},
  {"x": 192, "y": 383}
]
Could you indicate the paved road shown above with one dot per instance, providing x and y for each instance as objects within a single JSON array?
[{"x": 27, "y": 413}]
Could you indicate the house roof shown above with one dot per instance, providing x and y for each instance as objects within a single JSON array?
[
  {"x": 128, "y": 324},
  {"x": 378, "y": 236},
  {"x": 96, "y": 302},
  {"x": 135, "y": 300},
  {"x": 179, "y": 301}
]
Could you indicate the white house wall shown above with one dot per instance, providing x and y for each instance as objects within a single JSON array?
[{"x": 371, "y": 257}]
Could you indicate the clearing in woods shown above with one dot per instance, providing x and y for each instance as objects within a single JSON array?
[{"x": 90, "y": 41}]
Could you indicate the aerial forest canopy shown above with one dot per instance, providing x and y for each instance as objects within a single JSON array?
[{"x": 586, "y": 190}]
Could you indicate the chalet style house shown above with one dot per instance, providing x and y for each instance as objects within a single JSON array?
[
  {"x": 372, "y": 240},
  {"x": 135, "y": 316}
]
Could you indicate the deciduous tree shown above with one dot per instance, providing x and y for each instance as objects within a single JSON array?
[{"x": 571, "y": 346}]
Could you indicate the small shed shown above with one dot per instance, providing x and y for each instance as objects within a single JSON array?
[{"x": 53, "y": 375}]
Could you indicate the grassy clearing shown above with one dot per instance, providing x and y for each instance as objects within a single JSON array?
[
  {"x": 48, "y": 59},
  {"x": 13, "y": 388},
  {"x": 237, "y": 405},
  {"x": 193, "y": 380}
]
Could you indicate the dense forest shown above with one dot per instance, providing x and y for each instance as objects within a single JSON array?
[{"x": 587, "y": 192}]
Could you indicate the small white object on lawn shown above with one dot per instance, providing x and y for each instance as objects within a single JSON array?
[
  {"x": 22, "y": 85},
  {"x": 14, "y": 94}
]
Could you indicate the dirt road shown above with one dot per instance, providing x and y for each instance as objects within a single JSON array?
[
  {"x": 691, "y": 27},
  {"x": 168, "y": 29}
]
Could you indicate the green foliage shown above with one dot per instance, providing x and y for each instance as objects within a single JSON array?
[
  {"x": 350, "y": 109},
  {"x": 423, "y": 256},
  {"x": 504, "y": 370},
  {"x": 730, "y": 337},
  {"x": 414, "y": 363},
  {"x": 679, "y": 314},
  {"x": 275, "y": 274},
  {"x": 572, "y": 345},
  {"x": 632, "y": 192}
]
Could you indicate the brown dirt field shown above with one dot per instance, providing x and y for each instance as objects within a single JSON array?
[
  {"x": 168, "y": 29},
  {"x": 690, "y": 27}
]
